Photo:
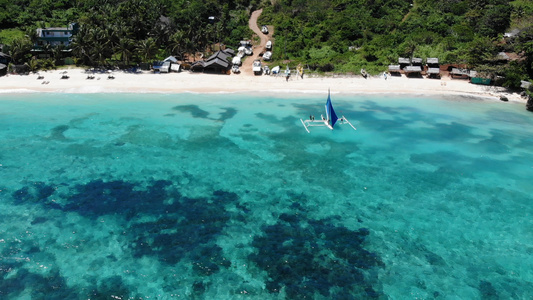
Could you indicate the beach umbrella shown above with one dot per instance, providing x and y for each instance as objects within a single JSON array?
[{"x": 2, "y": 66}]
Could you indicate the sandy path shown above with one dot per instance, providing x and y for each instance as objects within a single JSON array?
[{"x": 246, "y": 68}]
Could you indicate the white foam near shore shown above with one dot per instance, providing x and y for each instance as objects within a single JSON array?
[{"x": 214, "y": 83}]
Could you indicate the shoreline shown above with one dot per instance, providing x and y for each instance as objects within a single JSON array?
[{"x": 186, "y": 82}]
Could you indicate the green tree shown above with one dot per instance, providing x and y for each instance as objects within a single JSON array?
[
  {"x": 147, "y": 49},
  {"x": 20, "y": 50},
  {"x": 125, "y": 48}
]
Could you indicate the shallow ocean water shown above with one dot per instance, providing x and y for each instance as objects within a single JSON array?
[{"x": 226, "y": 196}]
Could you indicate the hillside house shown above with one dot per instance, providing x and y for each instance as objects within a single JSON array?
[{"x": 55, "y": 36}]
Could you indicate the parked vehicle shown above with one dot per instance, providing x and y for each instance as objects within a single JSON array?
[{"x": 257, "y": 67}]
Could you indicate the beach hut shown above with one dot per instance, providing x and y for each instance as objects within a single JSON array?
[
  {"x": 198, "y": 66},
  {"x": 170, "y": 64},
  {"x": 459, "y": 73},
  {"x": 4, "y": 58},
  {"x": 3, "y": 70},
  {"x": 175, "y": 67},
  {"x": 404, "y": 62},
  {"x": 165, "y": 67},
  {"x": 433, "y": 68},
  {"x": 413, "y": 71},
  {"x": 432, "y": 61},
  {"x": 416, "y": 61},
  {"x": 433, "y": 72},
  {"x": 229, "y": 51},
  {"x": 395, "y": 70},
  {"x": 216, "y": 63},
  {"x": 171, "y": 59}
]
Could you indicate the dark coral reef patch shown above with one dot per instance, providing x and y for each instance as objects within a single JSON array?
[{"x": 315, "y": 257}]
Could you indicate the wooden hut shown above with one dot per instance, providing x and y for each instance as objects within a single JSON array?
[
  {"x": 395, "y": 70},
  {"x": 404, "y": 62},
  {"x": 216, "y": 63},
  {"x": 459, "y": 73},
  {"x": 3, "y": 70},
  {"x": 433, "y": 68},
  {"x": 413, "y": 71},
  {"x": 4, "y": 58},
  {"x": 416, "y": 61}
]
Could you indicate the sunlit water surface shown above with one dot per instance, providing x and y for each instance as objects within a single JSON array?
[{"x": 226, "y": 196}]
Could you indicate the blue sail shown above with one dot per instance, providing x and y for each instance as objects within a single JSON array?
[{"x": 330, "y": 112}]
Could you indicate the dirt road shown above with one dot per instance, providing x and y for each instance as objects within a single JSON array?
[{"x": 246, "y": 67}]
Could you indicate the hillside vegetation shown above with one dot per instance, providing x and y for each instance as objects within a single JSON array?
[
  {"x": 325, "y": 35},
  {"x": 344, "y": 36}
]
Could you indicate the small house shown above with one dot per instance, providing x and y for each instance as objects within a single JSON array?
[
  {"x": 216, "y": 63},
  {"x": 55, "y": 36}
]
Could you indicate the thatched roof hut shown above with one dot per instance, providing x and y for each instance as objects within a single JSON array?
[
  {"x": 416, "y": 61},
  {"x": 394, "y": 68},
  {"x": 432, "y": 61},
  {"x": 412, "y": 69}
]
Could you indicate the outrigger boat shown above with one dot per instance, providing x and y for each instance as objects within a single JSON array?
[{"x": 329, "y": 120}]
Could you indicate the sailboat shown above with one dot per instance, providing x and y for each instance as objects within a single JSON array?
[{"x": 329, "y": 120}]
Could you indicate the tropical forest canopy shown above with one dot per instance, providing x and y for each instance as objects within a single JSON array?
[{"x": 325, "y": 35}]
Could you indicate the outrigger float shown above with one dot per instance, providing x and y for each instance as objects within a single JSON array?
[{"x": 329, "y": 120}]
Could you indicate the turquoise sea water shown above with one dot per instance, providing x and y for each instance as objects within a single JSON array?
[{"x": 226, "y": 196}]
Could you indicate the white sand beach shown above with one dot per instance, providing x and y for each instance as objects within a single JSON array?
[{"x": 212, "y": 83}]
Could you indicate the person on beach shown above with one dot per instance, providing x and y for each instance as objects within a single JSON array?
[{"x": 300, "y": 69}]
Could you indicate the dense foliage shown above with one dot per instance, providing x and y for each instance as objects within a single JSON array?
[
  {"x": 126, "y": 31},
  {"x": 326, "y": 35},
  {"x": 346, "y": 35}
]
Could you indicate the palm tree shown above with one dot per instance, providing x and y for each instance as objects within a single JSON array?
[
  {"x": 58, "y": 53},
  {"x": 147, "y": 49},
  {"x": 178, "y": 43},
  {"x": 19, "y": 49},
  {"x": 81, "y": 45},
  {"x": 124, "y": 47},
  {"x": 33, "y": 64}
]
